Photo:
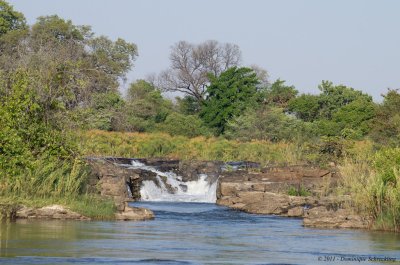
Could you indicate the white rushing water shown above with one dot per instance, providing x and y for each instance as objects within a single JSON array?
[{"x": 200, "y": 190}]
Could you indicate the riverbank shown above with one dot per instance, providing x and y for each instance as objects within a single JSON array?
[
  {"x": 83, "y": 206},
  {"x": 297, "y": 191},
  {"x": 312, "y": 193}
]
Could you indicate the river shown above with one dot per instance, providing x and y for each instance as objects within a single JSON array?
[{"x": 190, "y": 233}]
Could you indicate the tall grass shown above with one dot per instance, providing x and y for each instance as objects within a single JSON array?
[
  {"x": 48, "y": 176},
  {"x": 101, "y": 143},
  {"x": 54, "y": 181},
  {"x": 374, "y": 186}
]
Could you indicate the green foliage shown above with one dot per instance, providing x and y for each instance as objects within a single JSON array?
[
  {"x": 332, "y": 98},
  {"x": 10, "y": 19},
  {"x": 386, "y": 124},
  {"x": 375, "y": 187},
  {"x": 268, "y": 123},
  {"x": 280, "y": 94},
  {"x": 67, "y": 63},
  {"x": 228, "y": 95},
  {"x": 305, "y": 107},
  {"x": 144, "y": 109},
  {"x": 180, "y": 147},
  {"x": 298, "y": 191},
  {"x": 55, "y": 30},
  {"x": 25, "y": 137},
  {"x": 185, "y": 125},
  {"x": 337, "y": 111},
  {"x": 188, "y": 105}
]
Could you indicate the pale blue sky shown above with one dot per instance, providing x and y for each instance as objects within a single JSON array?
[{"x": 356, "y": 43}]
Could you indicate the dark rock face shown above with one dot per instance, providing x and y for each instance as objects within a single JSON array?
[
  {"x": 191, "y": 170},
  {"x": 111, "y": 179},
  {"x": 8, "y": 211},
  {"x": 162, "y": 164}
]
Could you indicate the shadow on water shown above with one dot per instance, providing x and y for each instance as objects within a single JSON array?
[{"x": 186, "y": 233}]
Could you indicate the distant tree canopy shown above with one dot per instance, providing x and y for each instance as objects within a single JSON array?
[
  {"x": 228, "y": 95},
  {"x": 386, "y": 123},
  {"x": 68, "y": 64},
  {"x": 10, "y": 20},
  {"x": 191, "y": 65},
  {"x": 279, "y": 94},
  {"x": 337, "y": 110}
]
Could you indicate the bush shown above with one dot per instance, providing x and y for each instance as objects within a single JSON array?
[
  {"x": 268, "y": 123},
  {"x": 185, "y": 125},
  {"x": 375, "y": 187}
]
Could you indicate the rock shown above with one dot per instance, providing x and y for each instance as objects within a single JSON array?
[
  {"x": 134, "y": 214},
  {"x": 49, "y": 212},
  {"x": 110, "y": 179},
  {"x": 341, "y": 218},
  {"x": 191, "y": 170},
  {"x": 297, "y": 211},
  {"x": 270, "y": 203},
  {"x": 8, "y": 211}
]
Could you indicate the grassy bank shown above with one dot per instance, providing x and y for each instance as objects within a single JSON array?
[
  {"x": 374, "y": 186},
  {"x": 52, "y": 181},
  {"x": 101, "y": 143}
]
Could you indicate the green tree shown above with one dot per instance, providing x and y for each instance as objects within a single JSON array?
[
  {"x": 386, "y": 124},
  {"x": 24, "y": 133},
  {"x": 145, "y": 107},
  {"x": 68, "y": 67},
  {"x": 332, "y": 98},
  {"x": 228, "y": 95},
  {"x": 280, "y": 94},
  {"x": 10, "y": 19},
  {"x": 336, "y": 111},
  {"x": 305, "y": 107},
  {"x": 268, "y": 123},
  {"x": 188, "y": 105}
]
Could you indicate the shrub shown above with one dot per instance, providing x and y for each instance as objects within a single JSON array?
[{"x": 185, "y": 125}]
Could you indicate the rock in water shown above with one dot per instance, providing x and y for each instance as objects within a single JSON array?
[
  {"x": 340, "y": 218},
  {"x": 49, "y": 212},
  {"x": 134, "y": 214}
]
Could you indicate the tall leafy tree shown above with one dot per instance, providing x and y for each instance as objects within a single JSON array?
[
  {"x": 279, "y": 94},
  {"x": 228, "y": 95}
]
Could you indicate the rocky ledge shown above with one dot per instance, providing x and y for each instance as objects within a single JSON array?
[
  {"x": 58, "y": 212},
  {"x": 267, "y": 192}
]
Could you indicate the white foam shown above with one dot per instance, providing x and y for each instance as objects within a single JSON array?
[{"x": 200, "y": 190}]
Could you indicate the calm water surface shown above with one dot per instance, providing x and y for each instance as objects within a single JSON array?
[{"x": 188, "y": 233}]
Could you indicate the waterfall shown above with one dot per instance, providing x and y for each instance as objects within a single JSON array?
[{"x": 168, "y": 186}]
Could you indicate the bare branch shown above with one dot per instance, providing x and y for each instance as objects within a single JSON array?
[{"x": 191, "y": 64}]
